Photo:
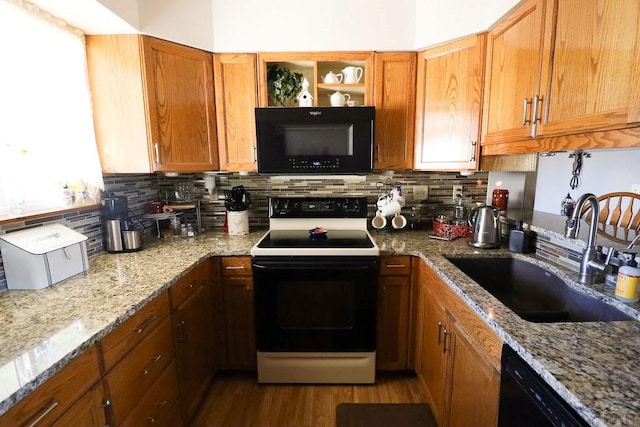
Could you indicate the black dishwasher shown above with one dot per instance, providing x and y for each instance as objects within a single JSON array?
[{"x": 526, "y": 400}]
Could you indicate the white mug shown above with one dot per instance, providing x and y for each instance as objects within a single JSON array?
[
  {"x": 390, "y": 209},
  {"x": 379, "y": 221},
  {"x": 399, "y": 221}
]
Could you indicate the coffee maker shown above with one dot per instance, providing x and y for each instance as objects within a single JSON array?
[{"x": 120, "y": 234}]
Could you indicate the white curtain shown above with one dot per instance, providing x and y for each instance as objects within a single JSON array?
[{"x": 48, "y": 153}]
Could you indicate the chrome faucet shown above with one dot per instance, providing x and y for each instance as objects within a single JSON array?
[
  {"x": 589, "y": 264},
  {"x": 633, "y": 242}
]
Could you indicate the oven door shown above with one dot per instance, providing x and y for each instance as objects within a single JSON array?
[{"x": 315, "y": 304}]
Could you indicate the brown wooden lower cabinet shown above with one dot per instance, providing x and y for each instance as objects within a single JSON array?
[
  {"x": 394, "y": 290},
  {"x": 193, "y": 332},
  {"x": 90, "y": 410},
  {"x": 237, "y": 293},
  {"x": 53, "y": 398},
  {"x": 460, "y": 357}
]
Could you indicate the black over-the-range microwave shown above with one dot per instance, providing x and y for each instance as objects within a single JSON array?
[{"x": 312, "y": 140}]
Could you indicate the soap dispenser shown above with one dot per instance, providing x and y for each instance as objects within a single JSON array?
[{"x": 519, "y": 239}]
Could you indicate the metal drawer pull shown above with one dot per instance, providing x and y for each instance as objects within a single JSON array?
[
  {"x": 439, "y": 332},
  {"x": 150, "y": 365},
  {"x": 396, "y": 266},
  {"x": 193, "y": 283},
  {"x": 157, "y": 148},
  {"x": 140, "y": 329},
  {"x": 44, "y": 413},
  {"x": 160, "y": 405},
  {"x": 234, "y": 267}
]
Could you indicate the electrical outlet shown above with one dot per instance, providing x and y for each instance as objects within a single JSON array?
[
  {"x": 457, "y": 189},
  {"x": 420, "y": 192},
  {"x": 635, "y": 188}
]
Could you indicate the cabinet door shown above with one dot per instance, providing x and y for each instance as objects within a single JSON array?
[
  {"x": 512, "y": 74},
  {"x": 236, "y": 99},
  {"x": 193, "y": 339},
  {"x": 393, "y": 322},
  {"x": 434, "y": 359},
  {"x": 89, "y": 410},
  {"x": 179, "y": 84},
  {"x": 238, "y": 313},
  {"x": 395, "y": 98},
  {"x": 475, "y": 384},
  {"x": 449, "y": 103},
  {"x": 592, "y": 67}
]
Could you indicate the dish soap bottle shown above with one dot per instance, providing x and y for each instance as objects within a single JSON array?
[{"x": 627, "y": 283}]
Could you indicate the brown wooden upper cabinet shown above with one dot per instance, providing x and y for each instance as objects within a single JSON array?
[
  {"x": 153, "y": 104},
  {"x": 315, "y": 66},
  {"x": 563, "y": 67},
  {"x": 395, "y": 100},
  {"x": 236, "y": 99},
  {"x": 449, "y": 100}
]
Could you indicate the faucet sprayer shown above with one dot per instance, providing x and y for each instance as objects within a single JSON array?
[{"x": 589, "y": 263}]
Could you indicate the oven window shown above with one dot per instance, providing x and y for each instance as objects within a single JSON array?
[
  {"x": 312, "y": 140},
  {"x": 315, "y": 305}
]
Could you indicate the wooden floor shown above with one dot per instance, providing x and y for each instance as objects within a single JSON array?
[{"x": 236, "y": 399}]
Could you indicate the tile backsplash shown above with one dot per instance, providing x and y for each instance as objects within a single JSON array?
[{"x": 143, "y": 188}]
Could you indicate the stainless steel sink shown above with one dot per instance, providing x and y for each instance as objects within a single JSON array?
[{"x": 535, "y": 294}]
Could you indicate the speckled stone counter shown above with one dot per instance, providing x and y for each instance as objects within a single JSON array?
[{"x": 591, "y": 365}]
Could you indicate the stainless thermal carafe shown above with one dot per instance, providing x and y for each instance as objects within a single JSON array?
[{"x": 113, "y": 235}]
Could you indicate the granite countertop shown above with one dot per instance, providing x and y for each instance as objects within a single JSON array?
[{"x": 593, "y": 366}]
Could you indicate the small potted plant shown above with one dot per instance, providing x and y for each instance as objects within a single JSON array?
[{"x": 283, "y": 85}]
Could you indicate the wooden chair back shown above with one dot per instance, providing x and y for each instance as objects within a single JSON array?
[{"x": 619, "y": 219}]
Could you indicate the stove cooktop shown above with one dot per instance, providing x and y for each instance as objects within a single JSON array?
[{"x": 299, "y": 242}]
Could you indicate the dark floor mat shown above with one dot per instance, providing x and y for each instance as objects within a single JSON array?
[{"x": 384, "y": 415}]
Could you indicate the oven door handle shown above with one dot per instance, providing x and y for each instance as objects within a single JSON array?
[{"x": 298, "y": 266}]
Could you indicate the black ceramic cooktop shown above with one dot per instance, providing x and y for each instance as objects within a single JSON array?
[{"x": 277, "y": 239}]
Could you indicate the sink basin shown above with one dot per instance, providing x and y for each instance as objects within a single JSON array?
[{"x": 535, "y": 294}]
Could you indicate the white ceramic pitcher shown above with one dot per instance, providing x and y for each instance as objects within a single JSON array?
[
  {"x": 338, "y": 99},
  {"x": 352, "y": 74}
]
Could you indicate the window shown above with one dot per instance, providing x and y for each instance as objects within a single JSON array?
[{"x": 48, "y": 154}]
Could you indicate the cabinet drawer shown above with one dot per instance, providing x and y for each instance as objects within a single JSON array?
[
  {"x": 49, "y": 401},
  {"x": 154, "y": 407},
  {"x": 188, "y": 284},
  {"x": 119, "y": 342},
  {"x": 236, "y": 266},
  {"x": 129, "y": 380},
  {"x": 395, "y": 265}
]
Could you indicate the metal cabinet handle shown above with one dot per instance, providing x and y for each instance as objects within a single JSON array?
[
  {"x": 472, "y": 158},
  {"x": 157, "y": 148},
  {"x": 377, "y": 152},
  {"x": 525, "y": 107},
  {"x": 160, "y": 405},
  {"x": 44, "y": 413},
  {"x": 439, "y": 332},
  {"x": 140, "y": 329},
  {"x": 234, "y": 267},
  {"x": 444, "y": 341},
  {"x": 396, "y": 266},
  {"x": 108, "y": 412},
  {"x": 534, "y": 116},
  {"x": 254, "y": 154},
  {"x": 150, "y": 365},
  {"x": 180, "y": 331}
]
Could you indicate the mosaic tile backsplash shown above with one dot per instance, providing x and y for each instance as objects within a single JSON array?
[{"x": 143, "y": 188}]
